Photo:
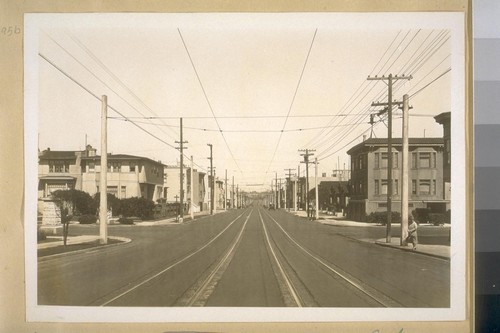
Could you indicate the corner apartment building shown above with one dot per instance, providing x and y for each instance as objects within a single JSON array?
[
  {"x": 369, "y": 176},
  {"x": 128, "y": 176}
]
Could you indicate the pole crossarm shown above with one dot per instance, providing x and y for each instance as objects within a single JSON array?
[{"x": 389, "y": 105}]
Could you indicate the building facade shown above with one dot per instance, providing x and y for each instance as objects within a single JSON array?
[
  {"x": 172, "y": 187},
  {"x": 368, "y": 188},
  {"x": 128, "y": 176}
]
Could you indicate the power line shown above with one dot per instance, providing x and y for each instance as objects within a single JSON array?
[
  {"x": 95, "y": 76},
  {"x": 206, "y": 97},
  {"x": 428, "y": 84},
  {"x": 293, "y": 98},
  {"x": 236, "y": 131},
  {"x": 99, "y": 99},
  {"x": 110, "y": 73}
]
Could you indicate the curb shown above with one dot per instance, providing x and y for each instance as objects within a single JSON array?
[
  {"x": 397, "y": 247},
  {"x": 53, "y": 256}
]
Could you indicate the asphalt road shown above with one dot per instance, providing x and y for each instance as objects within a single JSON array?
[{"x": 251, "y": 258}]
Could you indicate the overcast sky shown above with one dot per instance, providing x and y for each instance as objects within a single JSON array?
[{"x": 234, "y": 78}]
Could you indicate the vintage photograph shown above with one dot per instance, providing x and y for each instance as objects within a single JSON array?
[{"x": 271, "y": 166}]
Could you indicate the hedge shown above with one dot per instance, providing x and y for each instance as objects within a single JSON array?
[
  {"x": 381, "y": 217},
  {"x": 87, "y": 219}
]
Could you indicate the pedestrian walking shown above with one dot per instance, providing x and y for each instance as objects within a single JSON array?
[{"x": 412, "y": 232}]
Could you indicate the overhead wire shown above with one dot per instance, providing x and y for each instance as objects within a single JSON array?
[
  {"x": 206, "y": 98},
  {"x": 94, "y": 75},
  {"x": 293, "y": 99},
  {"x": 115, "y": 77}
]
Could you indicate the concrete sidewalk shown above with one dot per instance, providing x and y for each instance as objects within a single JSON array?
[
  {"x": 438, "y": 251},
  {"x": 174, "y": 220},
  {"x": 72, "y": 240}
]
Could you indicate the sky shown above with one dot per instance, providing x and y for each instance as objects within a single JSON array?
[{"x": 259, "y": 87}]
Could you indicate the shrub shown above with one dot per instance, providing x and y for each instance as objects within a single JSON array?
[
  {"x": 113, "y": 202},
  {"x": 40, "y": 235},
  {"x": 78, "y": 202},
  {"x": 437, "y": 218},
  {"x": 381, "y": 217},
  {"x": 421, "y": 215},
  {"x": 136, "y": 206},
  {"x": 87, "y": 219},
  {"x": 125, "y": 220}
]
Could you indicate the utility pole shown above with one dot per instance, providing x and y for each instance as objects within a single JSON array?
[
  {"x": 306, "y": 161},
  {"x": 225, "y": 192},
  {"x": 277, "y": 195},
  {"x": 298, "y": 187},
  {"x": 390, "y": 80},
  {"x": 295, "y": 203},
  {"x": 192, "y": 188},
  {"x": 237, "y": 196},
  {"x": 181, "y": 176},
  {"x": 404, "y": 167},
  {"x": 103, "y": 200},
  {"x": 211, "y": 181},
  {"x": 316, "y": 187},
  {"x": 289, "y": 178},
  {"x": 232, "y": 196}
]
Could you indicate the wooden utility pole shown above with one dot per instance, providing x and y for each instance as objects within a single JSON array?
[
  {"x": 306, "y": 161},
  {"x": 390, "y": 79},
  {"x": 211, "y": 181},
  {"x": 316, "y": 187},
  {"x": 181, "y": 176},
  {"x": 404, "y": 167},
  {"x": 192, "y": 188},
  {"x": 288, "y": 180},
  {"x": 103, "y": 184},
  {"x": 225, "y": 192}
]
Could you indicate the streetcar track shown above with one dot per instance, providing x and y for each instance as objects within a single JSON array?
[
  {"x": 293, "y": 292},
  {"x": 127, "y": 289},
  {"x": 375, "y": 295},
  {"x": 199, "y": 294}
]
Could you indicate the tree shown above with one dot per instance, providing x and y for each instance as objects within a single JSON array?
[{"x": 77, "y": 202}]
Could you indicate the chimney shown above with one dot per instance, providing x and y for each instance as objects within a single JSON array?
[{"x": 364, "y": 137}]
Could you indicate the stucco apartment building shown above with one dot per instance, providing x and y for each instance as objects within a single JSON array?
[
  {"x": 128, "y": 175},
  {"x": 426, "y": 184},
  {"x": 172, "y": 187}
]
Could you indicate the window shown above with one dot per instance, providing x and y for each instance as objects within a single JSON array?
[
  {"x": 132, "y": 167},
  {"x": 424, "y": 160},
  {"x": 377, "y": 187},
  {"x": 114, "y": 167},
  {"x": 396, "y": 186},
  {"x": 123, "y": 193},
  {"x": 424, "y": 186},
  {"x": 383, "y": 188},
  {"x": 113, "y": 190},
  {"x": 377, "y": 162},
  {"x": 395, "y": 161},
  {"x": 433, "y": 186},
  {"x": 384, "y": 160},
  {"x": 434, "y": 157},
  {"x": 413, "y": 186},
  {"x": 413, "y": 160},
  {"x": 58, "y": 166},
  {"x": 91, "y": 166}
]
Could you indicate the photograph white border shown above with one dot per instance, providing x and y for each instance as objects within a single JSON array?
[{"x": 455, "y": 22}]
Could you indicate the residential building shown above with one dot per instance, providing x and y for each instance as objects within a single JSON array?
[
  {"x": 59, "y": 170},
  {"x": 127, "y": 175},
  {"x": 368, "y": 188},
  {"x": 445, "y": 120},
  {"x": 172, "y": 186}
]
